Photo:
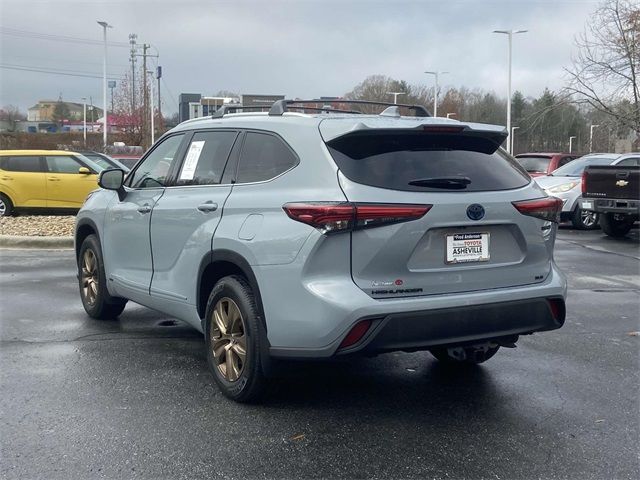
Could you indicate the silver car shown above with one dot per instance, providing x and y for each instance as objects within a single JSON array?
[
  {"x": 566, "y": 184},
  {"x": 320, "y": 235}
]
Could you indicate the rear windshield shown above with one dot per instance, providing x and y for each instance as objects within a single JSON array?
[
  {"x": 576, "y": 167},
  {"x": 426, "y": 162},
  {"x": 534, "y": 164}
]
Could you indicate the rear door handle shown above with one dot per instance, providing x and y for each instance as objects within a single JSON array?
[
  {"x": 208, "y": 207},
  {"x": 146, "y": 208},
  {"x": 53, "y": 179},
  {"x": 6, "y": 178}
]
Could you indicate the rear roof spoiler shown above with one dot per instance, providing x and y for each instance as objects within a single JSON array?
[{"x": 281, "y": 106}]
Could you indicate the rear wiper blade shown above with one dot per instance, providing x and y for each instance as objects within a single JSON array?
[{"x": 452, "y": 183}]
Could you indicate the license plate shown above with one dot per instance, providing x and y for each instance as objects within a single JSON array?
[
  {"x": 467, "y": 247},
  {"x": 586, "y": 205}
]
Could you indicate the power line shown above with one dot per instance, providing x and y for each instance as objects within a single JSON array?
[
  {"x": 57, "y": 38},
  {"x": 69, "y": 73}
]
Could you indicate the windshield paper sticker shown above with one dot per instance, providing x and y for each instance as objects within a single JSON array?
[{"x": 191, "y": 162}]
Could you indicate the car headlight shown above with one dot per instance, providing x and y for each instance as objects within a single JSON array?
[{"x": 563, "y": 187}]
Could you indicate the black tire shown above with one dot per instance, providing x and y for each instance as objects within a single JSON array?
[
  {"x": 250, "y": 382},
  {"x": 616, "y": 227},
  {"x": 471, "y": 356},
  {"x": 584, "y": 219},
  {"x": 94, "y": 294},
  {"x": 6, "y": 206}
]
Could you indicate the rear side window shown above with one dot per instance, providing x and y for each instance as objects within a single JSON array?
[
  {"x": 629, "y": 162},
  {"x": 206, "y": 158},
  {"x": 21, "y": 164},
  {"x": 426, "y": 162},
  {"x": 264, "y": 157},
  {"x": 62, "y": 164},
  {"x": 534, "y": 164}
]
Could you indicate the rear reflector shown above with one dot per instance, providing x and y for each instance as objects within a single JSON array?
[
  {"x": 548, "y": 208},
  {"x": 558, "y": 309},
  {"x": 329, "y": 217},
  {"x": 355, "y": 334}
]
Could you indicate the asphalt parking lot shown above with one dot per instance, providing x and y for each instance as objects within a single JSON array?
[{"x": 132, "y": 398}]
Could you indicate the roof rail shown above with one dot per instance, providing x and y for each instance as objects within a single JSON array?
[
  {"x": 225, "y": 109},
  {"x": 323, "y": 109},
  {"x": 280, "y": 106}
]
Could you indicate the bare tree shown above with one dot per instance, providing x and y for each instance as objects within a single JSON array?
[
  {"x": 605, "y": 70},
  {"x": 12, "y": 115}
]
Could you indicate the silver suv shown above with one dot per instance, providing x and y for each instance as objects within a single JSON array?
[{"x": 315, "y": 235}]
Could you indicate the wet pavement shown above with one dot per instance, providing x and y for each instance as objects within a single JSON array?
[{"x": 132, "y": 398}]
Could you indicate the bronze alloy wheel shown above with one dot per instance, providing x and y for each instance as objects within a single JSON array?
[
  {"x": 89, "y": 276},
  {"x": 228, "y": 339}
]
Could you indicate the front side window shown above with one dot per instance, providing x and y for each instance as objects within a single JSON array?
[
  {"x": 264, "y": 157},
  {"x": 21, "y": 164},
  {"x": 206, "y": 158},
  {"x": 153, "y": 172},
  {"x": 62, "y": 164}
]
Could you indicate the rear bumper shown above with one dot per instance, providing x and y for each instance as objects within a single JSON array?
[
  {"x": 604, "y": 205},
  {"x": 423, "y": 329}
]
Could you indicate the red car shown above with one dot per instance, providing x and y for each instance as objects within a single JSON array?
[{"x": 538, "y": 164}]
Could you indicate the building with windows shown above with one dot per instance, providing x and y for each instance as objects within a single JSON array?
[
  {"x": 43, "y": 111},
  {"x": 195, "y": 105}
]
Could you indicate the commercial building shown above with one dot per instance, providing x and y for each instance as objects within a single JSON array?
[
  {"x": 195, "y": 105},
  {"x": 45, "y": 111}
]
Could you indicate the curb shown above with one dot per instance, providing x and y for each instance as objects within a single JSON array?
[{"x": 16, "y": 241}]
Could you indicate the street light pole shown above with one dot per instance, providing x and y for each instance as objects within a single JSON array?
[
  {"x": 395, "y": 95},
  {"x": 84, "y": 120},
  {"x": 591, "y": 137},
  {"x": 510, "y": 33},
  {"x": 105, "y": 127},
  {"x": 436, "y": 74},
  {"x": 513, "y": 131},
  {"x": 571, "y": 143},
  {"x": 153, "y": 134}
]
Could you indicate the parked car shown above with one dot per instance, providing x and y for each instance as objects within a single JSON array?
[
  {"x": 127, "y": 160},
  {"x": 538, "y": 164},
  {"x": 45, "y": 180},
  {"x": 613, "y": 192},
  {"x": 105, "y": 161},
  {"x": 316, "y": 236},
  {"x": 566, "y": 184}
]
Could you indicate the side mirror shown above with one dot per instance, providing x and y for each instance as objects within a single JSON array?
[
  {"x": 111, "y": 179},
  {"x": 84, "y": 171}
]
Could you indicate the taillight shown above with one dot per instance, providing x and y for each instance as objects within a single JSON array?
[
  {"x": 584, "y": 182},
  {"x": 330, "y": 217},
  {"x": 548, "y": 208}
]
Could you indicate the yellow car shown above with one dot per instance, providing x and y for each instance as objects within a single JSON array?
[{"x": 44, "y": 180}]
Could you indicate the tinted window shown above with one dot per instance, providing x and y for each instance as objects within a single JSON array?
[
  {"x": 154, "y": 170},
  {"x": 206, "y": 158},
  {"x": 575, "y": 168},
  {"x": 21, "y": 164},
  {"x": 264, "y": 157},
  {"x": 629, "y": 162},
  {"x": 62, "y": 164},
  {"x": 435, "y": 161},
  {"x": 534, "y": 164},
  {"x": 563, "y": 161}
]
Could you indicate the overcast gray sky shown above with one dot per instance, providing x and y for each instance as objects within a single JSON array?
[{"x": 301, "y": 48}]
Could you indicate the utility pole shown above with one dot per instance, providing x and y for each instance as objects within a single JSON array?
[
  {"x": 153, "y": 133},
  {"x": 571, "y": 143},
  {"x": 133, "y": 60},
  {"x": 84, "y": 120},
  {"x": 145, "y": 98},
  {"x": 159, "y": 76},
  {"x": 513, "y": 133}
]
